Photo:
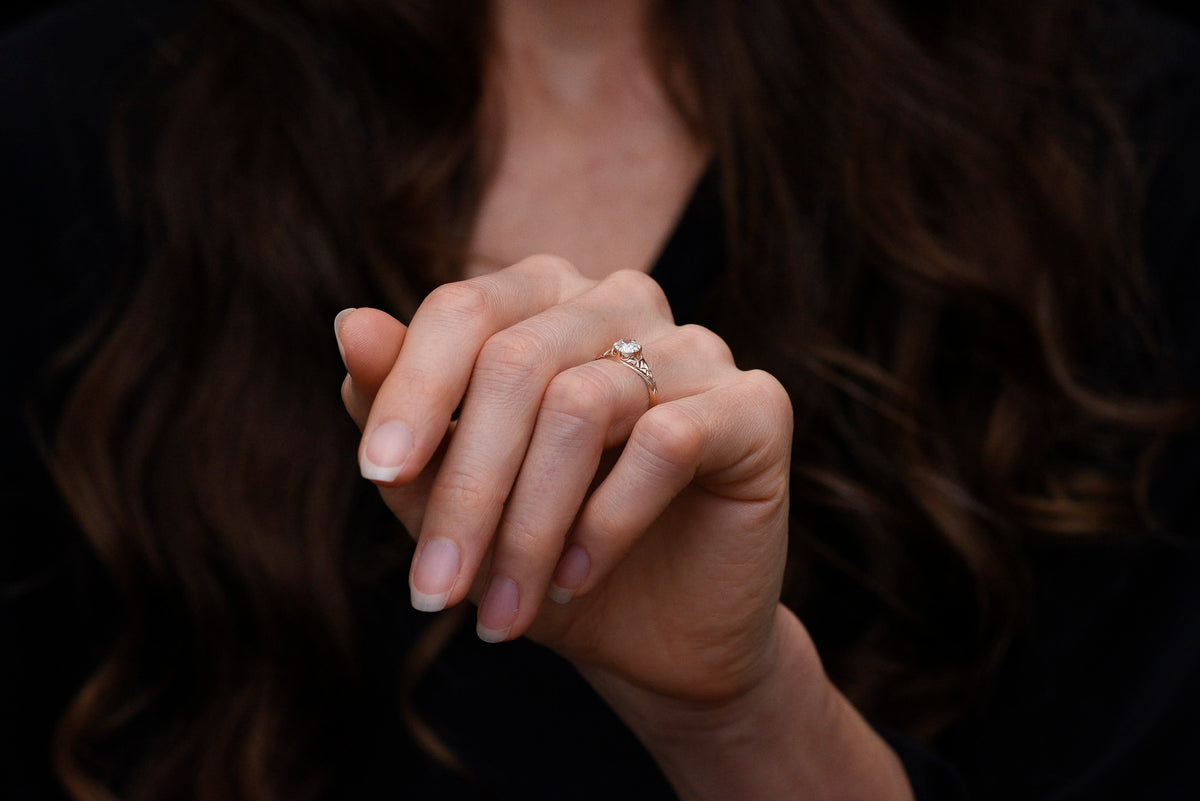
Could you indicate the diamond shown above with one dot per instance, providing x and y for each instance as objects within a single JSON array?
[{"x": 629, "y": 348}]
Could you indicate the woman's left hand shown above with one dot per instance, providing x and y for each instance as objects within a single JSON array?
[
  {"x": 666, "y": 564},
  {"x": 671, "y": 560}
]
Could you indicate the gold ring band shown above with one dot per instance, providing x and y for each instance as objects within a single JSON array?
[{"x": 629, "y": 353}]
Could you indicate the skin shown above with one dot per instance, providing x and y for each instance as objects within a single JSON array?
[
  {"x": 645, "y": 544},
  {"x": 590, "y": 143}
]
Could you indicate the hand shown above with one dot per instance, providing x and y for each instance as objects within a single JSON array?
[
  {"x": 660, "y": 532},
  {"x": 670, "y": 560}
]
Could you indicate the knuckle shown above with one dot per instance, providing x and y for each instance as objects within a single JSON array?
[
  {"x": 514, "y": 351},
  {"x": 670, "y": 436},
  {"x": 523, "y": 542},
  {"x": 773, "y": 442},
  {"x": 462, "y": 491},
  {"x": 705, "y": 344},
  {"x": 611, "y": 518},
  {"x": 413, "y": 382},
  {"x": 548, "y": 264},
  {"x": 639, "y": 285},
  {"x": 465, "y": 301},
  {"x": 577, "y": 401},
  {"x": 773, "y": 396}
]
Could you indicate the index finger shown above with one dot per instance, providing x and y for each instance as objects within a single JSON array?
[{"x": 413, "y": 407}]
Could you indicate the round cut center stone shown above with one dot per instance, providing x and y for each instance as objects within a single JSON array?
[{"x": 627, "y": 347}]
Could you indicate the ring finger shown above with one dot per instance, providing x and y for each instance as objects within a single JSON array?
[
  {"x": 585, "y": 410},
  {"x": 510, "y": 375}
]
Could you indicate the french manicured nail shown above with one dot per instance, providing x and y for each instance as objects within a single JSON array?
[
  {"x": 498, "y": 610},
  {"x": 387, "y": 449},
  {"x": 434, "y": 574},
  {"x": 570, "y": 574},
  {"x": 337, "y": 332}
]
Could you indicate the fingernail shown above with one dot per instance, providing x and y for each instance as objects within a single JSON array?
[
  {"x": 498, "y": 610},
  {"x": 570, "y": 574},
  {"x": 433, "y": 575},
  {"x": 387, "y": 449},
  {"x": 337, "y": 332}
]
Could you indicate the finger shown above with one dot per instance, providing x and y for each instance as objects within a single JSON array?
[
  {"x": 415, "y": 401},
  {"x": 408, "y": 502},
  {"x": 733, "y": 441},
  {"x": 579, "y": 409},
  {"x": 584, "y": 410},
  {"x": 357, "y": 402},
  {"x": 369, "y": 341},
  {"x": 506, "y": 389}
]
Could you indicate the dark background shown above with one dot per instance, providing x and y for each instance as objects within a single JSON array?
[{"x": 15, "y": 11}]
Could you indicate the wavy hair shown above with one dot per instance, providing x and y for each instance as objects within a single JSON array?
[{"x": 931, "y": 224}]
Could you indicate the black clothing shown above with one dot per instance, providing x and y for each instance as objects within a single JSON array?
[{"x": 1101, "y": 699}]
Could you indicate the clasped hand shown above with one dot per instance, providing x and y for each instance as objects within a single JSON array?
[{"x": 646, "y": 542}]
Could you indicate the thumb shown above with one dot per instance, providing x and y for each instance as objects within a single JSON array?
[{"x": 369, "y": 341}]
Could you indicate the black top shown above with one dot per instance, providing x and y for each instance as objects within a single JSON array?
[{"x": 1101, "y": 699}]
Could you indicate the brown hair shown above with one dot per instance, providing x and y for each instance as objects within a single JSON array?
[{"x": 930, "y": 213}]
